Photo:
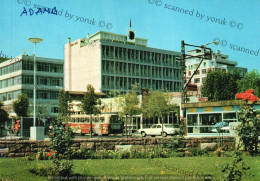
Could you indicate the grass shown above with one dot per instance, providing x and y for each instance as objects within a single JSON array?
[{"x": 128, "y": 169}]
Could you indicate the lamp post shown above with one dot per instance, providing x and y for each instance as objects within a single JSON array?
[
  {"x": 207, "y": 54},
  {"x": 34, "y": 40}
]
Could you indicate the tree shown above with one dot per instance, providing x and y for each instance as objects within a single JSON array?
[
  {"x": 220, "y": 85},
  {"x": 21, "y": 105},
  {"x": 3, "y": 113},
  {"x": 64, "y": 106},
  {"x": 250, "y": 81},
  {"x": 129, "y": 104},
  {"x": 89, "y": 104},
  {"x": 158, "y": 104}
]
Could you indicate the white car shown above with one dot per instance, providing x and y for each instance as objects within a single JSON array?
[{"x": 156, "y": 130}]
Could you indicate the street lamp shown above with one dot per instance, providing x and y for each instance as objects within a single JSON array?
[
  {"x": 34, "y": 40},
  {"x": 206, "y": 55},
  {"x": 215, "y": 42}
]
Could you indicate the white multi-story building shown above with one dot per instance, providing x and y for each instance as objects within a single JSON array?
[
  {"x": 219, "y": 62},
  {"x": 16, "y": 77}
]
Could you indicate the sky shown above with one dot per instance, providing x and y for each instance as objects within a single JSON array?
[{"x": 235, "y": 23}]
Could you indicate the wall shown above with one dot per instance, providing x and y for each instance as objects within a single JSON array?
[{"x": 20, "y": 148}]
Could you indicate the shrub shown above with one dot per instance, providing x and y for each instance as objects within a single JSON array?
[
  {"x": 65, "y": 168},
  {"x": 198, "y": 152}
]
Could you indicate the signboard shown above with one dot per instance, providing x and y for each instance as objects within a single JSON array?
[
  {"x": 192, "y": 109},
  {"x": 208, "y": 109},
  {"x": 227, "y": 108}
]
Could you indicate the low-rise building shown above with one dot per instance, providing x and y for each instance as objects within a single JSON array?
[
  {"x": 201, "y": 117},
  {"x": 16, "y": 77}
]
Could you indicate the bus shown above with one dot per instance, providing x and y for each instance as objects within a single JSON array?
[{"x": 103, "y": 124}]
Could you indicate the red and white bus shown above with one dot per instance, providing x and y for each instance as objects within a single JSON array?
[{"x": 103, "y": 124}]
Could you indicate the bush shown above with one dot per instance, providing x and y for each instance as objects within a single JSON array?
[
  {"x": 42, "y": 170},
  {"x": 198, "y": 152},
  {"x": 65, "y": 168}
]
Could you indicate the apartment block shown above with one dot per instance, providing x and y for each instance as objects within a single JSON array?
[
  {"x": 219, "y": 62},
  {"x": 16, "y": 77}
]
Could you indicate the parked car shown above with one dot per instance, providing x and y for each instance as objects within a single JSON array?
[{"x": 157, "y": 130}]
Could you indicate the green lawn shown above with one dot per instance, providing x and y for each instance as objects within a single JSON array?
[{"x": 128, "y": 169}]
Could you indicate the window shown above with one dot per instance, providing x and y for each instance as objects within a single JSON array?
[
  {"x": 203, "y": 71},
  {"x": 29, "y": 93},
  {"x": 26, "y": 79},
  {"x": 229, "y": 115},
  {"x": 192, "y": 119},
  {"x": 197, "y": 72},
  {"x": 54, "y": 110},
  {"x": 27, "y": 65},
  {"x": 197, "y": 80},
  {"x": 42, "y": 95},
  {"x": 54, "y": 95},
  {"x": 189, "y": 72}
]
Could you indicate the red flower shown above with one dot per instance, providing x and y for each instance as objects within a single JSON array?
[
  {"x": 253, "y": 98},
  {"x": 250, "y": 91},
  {"x": 239, "y": 95},
  {"x": 49, "y": 154},
  {"x": 246, "y": 96}
]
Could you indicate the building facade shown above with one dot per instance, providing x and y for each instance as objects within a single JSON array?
[
  {"x": 111, "y": 62},
  {"x": 219, "y": 62},
  {"x": 16, "y": 77},
  {"x": 200, "y": 118}
]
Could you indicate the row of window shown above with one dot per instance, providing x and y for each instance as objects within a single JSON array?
[
  {"x": 28, "y": 65},
  {"x": 212, "y": 63},
  {"x": 44, "y": 67},
  {"x": 10, "y": 95},
  {"x": 203, "y": 71},
  {"x": 41, "y": 94},
  {"x": 119, "y": 68},
  {"x": 50, "y": 81},
  {"x": 11, "y": 68},
  {"x": 123, "y": 83},
  {"x": 138, "y": 55},
  {"x": 204, "y": 123},
  {"x": 28, "y": 79},
  {"x": 10, "y": 82}
]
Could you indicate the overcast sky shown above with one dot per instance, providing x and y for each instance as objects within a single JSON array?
[{"x": 164, "y": 22}]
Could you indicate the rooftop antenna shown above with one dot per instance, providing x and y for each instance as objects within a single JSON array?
[
  {"x": 24, "y": 52},
  {"x": 130, "y": 23}
]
